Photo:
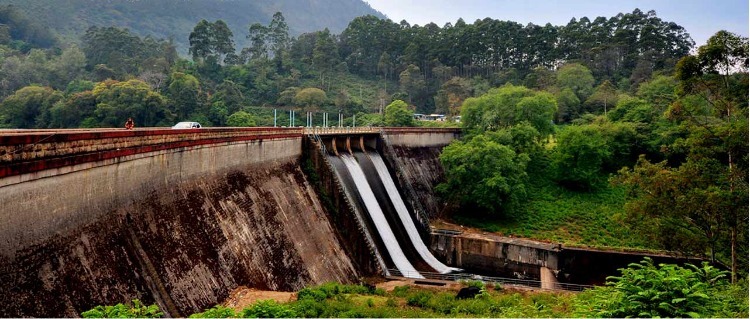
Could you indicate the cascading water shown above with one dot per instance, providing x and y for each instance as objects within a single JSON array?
[
  {"x": 378, "y": 218},
  {"x": 404, "y": 216}
]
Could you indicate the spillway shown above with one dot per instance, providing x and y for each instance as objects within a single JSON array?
[
  {"x": 378, "y": 218},
  {"x": 404, "y": 216}
]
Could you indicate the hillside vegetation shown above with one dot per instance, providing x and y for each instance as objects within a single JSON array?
[
  {"x": 603, "y": 131},
  {"x": 690, "y": 292},
  {"x": 176, "y": 18}
]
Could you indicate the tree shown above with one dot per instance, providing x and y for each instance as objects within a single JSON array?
[
  {"x": 484, "y": 175},
  {"x": 29, "y": 107},
  {"x": 412, "y": 83},
  {"x": 325, "y": 54},
  {"x": 568, "y": 106},
  {"x": 579, "y": 155},
  {"x": 211, "y": 40},
  {"x": 604, "y": 96},
  {"x": 576, "y": 77},
  {"x": 507, "y": 106},
  {"x": 718, "y": 76},
  {"x": 452, "y": 94},
  {"x": 185, "y": 93},
  {"x": 200, "y": 41},
  {"x": 241, "y": 119},
  {"x": 397, "y": 114},
  {"x": 659, "y": 91},
  {"x": 539, "y": 110},
  {"x": 117, "y": 101},
  {"x": 73, "y": 111},
  {"x": 310, "y": 98},
  {"x": 278, "y": 34}
]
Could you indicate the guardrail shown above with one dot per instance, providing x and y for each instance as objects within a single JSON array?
[
  {"x": 339, "y": 130},
  {"x": 487, "y": 280},
  {"x": 449, "y": 232}
]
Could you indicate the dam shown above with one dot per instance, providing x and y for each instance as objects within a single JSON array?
[
  {"x": 181, "y": 217},
  {"x": 174, "y": 217}
]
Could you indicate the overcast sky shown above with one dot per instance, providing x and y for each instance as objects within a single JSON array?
[{"x": 701, "y": 18}]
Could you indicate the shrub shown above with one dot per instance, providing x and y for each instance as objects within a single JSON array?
[
  {"x": 419, "y": 299},
  {"x": 215, "y": 312},
  {"x": 646, "y": 290},
  {"x": 268, "y": 309},
  {"x": 136, "y": 310}
]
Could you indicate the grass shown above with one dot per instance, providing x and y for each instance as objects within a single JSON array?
[
  {"x": 414, "y": 302},
  {"x": 556, "y": 214}
]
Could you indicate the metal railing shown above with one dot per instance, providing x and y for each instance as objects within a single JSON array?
[
  {"x": 448, "y": 232},
  {"x": 339, "y": 130},
  {"x": 488, "y": 280}
]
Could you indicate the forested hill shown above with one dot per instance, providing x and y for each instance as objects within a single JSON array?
[{"x": 176, "y": 18}]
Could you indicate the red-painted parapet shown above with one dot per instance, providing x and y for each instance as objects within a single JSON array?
[
  {"x": 28, "y": 151},
  {"x": 421, "y": 130}
]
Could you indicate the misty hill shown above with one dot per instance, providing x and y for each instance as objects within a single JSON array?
[{"x": 176, "y": 18}]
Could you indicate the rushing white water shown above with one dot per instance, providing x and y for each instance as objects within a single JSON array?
[
  {"x": 403, "y": 214},
  {"x": 378, "y": 218}
]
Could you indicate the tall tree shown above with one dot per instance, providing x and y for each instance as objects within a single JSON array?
[{"x": 278, "y": 34}]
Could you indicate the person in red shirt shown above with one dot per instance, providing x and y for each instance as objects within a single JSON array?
[{"x": 129, "y": 124}]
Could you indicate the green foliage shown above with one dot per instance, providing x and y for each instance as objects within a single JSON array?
[
  {"x": 485, "y": 175},
  {"x": 134, "y": 310},
  {"x": 268, "y": 309},
  {"x": 216, "y": 312},
  {"x": 568, "y": 106},
  {"x": 371, "y": 119},
  {"x": 117, "y": 101},
  {"x": 185, "y": 92},
  {"x": 507, "y": 106},
  {"x": 577, "y": 78},
  {"x": 647, "y": 290},
  {"x": 579, "y": 155},
  {"x": 410, "y": 301},
  {"x": 241, "y": 119},
  {"x": 29, "y": 107},
  {"x": 310, "y": 97},
  {"x": 630, "y": 109},
  {"x": 211, "y": 40},
  {"x": 397, "y": 114}
]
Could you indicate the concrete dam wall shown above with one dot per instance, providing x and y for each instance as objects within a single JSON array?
[
  {"x": 415, "y": 156},
  {"x": 181, "y": 226}
]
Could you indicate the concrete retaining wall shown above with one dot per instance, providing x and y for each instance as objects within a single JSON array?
[
  {"x": 179, "y": 227},
  {"x": 506, "y": 257},
  {"x": 494, "y": 255}
]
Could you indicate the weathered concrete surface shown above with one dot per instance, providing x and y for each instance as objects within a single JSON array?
[
  {"x": 31, "y": 154},
  {"x": 495, "y": 255},
  {"x": 421, "y": 137},
  {"x": 48, "y": 205},
  {"x": 415, "y": 157},
  {"x": 181, "y": 229}
]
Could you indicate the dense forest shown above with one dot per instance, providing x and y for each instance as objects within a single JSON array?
[
  {"x": 611, "y": 105},
  {"x": 175, "y": 19}
]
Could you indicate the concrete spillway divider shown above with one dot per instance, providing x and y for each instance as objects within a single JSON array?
[
  {"x": 376, "y": 214},
  {"x": 405, "y": 217}
]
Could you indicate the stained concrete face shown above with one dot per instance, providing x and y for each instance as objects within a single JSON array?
[
  {"x": 182, "y": 237},
  {"x": 418, "y": 156}
]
